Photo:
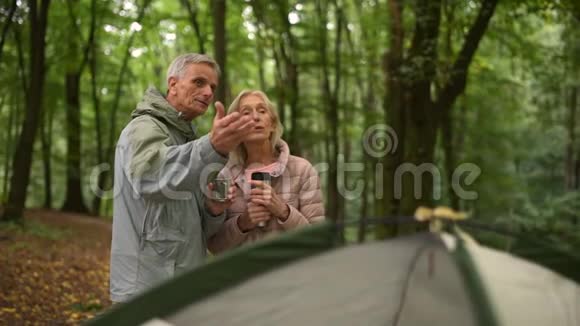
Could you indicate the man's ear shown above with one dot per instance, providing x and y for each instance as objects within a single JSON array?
[{"x": 170, "y": 83}]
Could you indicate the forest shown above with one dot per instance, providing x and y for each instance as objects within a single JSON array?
[{"x": 470, "y": 104}]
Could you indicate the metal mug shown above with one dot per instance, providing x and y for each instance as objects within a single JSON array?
[{"x": 220, "y": 189}]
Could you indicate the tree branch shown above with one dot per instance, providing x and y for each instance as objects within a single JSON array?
[
  {"x": 192, "y": 11},
  {"x": 458, "y": 76},
  {"x": 119, "y": 83},
  {"x": 91, "y": 39},
  {"x": 73, "y": 19},
  {"x": 337, "y": 47}
]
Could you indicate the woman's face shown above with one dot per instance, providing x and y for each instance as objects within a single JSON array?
[{"x": 255, "y": 107}]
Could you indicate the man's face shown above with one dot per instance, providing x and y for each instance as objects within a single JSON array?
[{"x": 193, "y": 92}]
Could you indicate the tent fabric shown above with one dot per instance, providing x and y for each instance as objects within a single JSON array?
[
  {"x": 408, "y": 281},
  {"x": 524, "y": 293},
  {"x": 481, "y": 305},
  {"x": 220, "y": 273},
  {"x": 540, "y": 250},
  {"x": 305, "y": 277},
  {"x": 445, "y": 289}
]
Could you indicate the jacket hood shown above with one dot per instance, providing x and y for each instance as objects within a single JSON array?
[{"x": 154, "y": 104}]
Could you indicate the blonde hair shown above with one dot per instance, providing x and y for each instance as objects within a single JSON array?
[{"x": 239, "y": 155}]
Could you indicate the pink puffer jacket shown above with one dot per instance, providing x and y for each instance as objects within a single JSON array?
[{"x": 296, "y": 181}]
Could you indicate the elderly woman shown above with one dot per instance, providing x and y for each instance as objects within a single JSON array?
[{"x": 258, "y": 209}]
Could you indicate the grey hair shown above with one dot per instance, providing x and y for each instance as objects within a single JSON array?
[
  {"x": 239, "y": 154},
  {"x": 179, "y": 64}
]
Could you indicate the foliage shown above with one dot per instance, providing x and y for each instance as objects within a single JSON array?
[
  {"x": 514, "y": 122},
  {"x": 555, "y": 218},
  {"x": 511, "y": 121}
]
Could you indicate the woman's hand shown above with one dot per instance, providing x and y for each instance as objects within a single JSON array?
[
  {"x": 253, "y": 217},
  {"x": 263, "y": 194},
  {"x": 216, "y": 207}
]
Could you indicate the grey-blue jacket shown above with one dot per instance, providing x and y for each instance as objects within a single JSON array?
[{"x": 160, "y": 224}]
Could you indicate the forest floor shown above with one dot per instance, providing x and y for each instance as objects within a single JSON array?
[{"x": 54, "y": 269}]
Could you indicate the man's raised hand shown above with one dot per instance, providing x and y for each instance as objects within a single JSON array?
[{"x": 228, "y": 131}]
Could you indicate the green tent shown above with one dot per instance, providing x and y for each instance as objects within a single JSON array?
[{"x": 306, "y": 277}]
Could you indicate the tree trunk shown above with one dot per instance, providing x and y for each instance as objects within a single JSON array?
[
  {"x": 288, "y": 51},
  {"x": 261, "y": 57},
  {"x": 220, "y": 43},
  {"x": 365, "y": 83},
  {"x": 45, "y": 139},
  {"x": 98, "y": 128},
  {"x": 110, "y": 151},
  {"x": 570, "y": 176},
  {"x": 371, "y": 164},
  {"x": 23, "y": 156},
  {"x": 577, "y": 174},
  {"x": 264, "y": 40},
  {"x": 21, "y": 63},
  {"x": 9, "y": 143},
  {"x": 447, "y": 118},
  {"x": 281, "y": 91},
  {"x": 448, "y": 136},
  {"x": 295, "y": 110},
  {"x": 74, "y": 201},
  {"x": 6, "y": 26},
  {"x": 413, "y": 114},
  {"x": 331, "y": 108},
  {"x": 284, "y": 48},
  {"x": 15, "y": 112},
  {"x": 394, "y": 106},
  {"x": 364, "y": 204},
  {"x": 334, "y": 110},
  {"x": 420, "y": 129},
  {"x": 119, "y": 85},
  {"x": 90, "y": 58},
  {"x": 345, "y": 146}
]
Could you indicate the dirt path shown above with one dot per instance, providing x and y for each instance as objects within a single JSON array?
[{"x": 54, "y": 271}]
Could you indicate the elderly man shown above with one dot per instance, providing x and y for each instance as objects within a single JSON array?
[{"x": 161, "y": 218}]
